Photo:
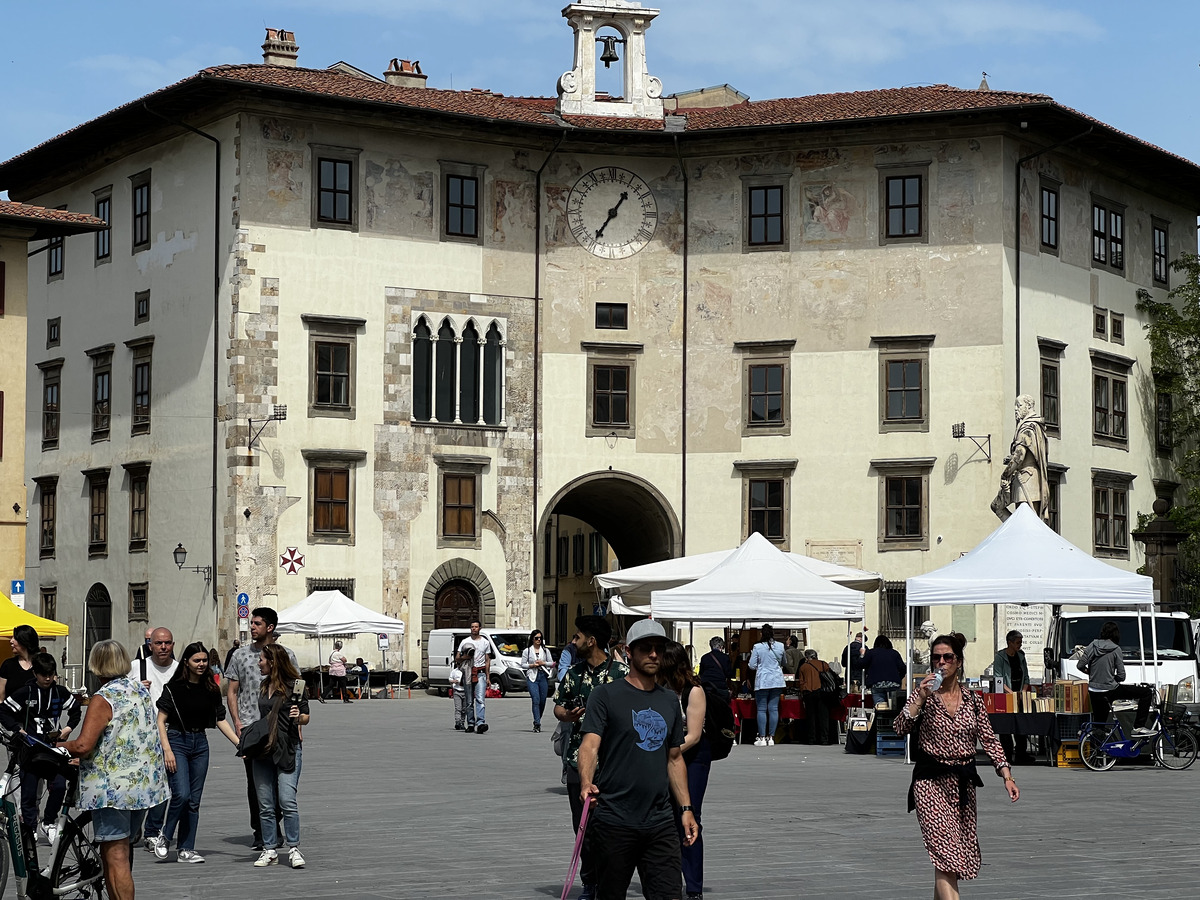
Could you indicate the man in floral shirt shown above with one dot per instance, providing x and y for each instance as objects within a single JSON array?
[{"x": 594, "y": 667}]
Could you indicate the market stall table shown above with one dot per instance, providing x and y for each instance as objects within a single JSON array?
[{"x": 745, "y": 709}]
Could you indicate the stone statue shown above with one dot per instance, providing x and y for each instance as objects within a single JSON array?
[
  {"x": 1024, "y": 479},
  {"x": 922, "y": 643}
]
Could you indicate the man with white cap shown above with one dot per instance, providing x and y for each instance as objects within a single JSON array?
[{"x": 631, "y": 766}]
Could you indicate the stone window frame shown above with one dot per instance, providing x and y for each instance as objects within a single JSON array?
[
  {"x": 101, "y": 420},
  {"x": 1108, "y": 242},
  {"x": 139, "y": 606},
  {"x": 909, "y": 467},
  {"x": 141, "y": 307},
  {"x": 53, "y": 332},
  {"x": 1100, "y": 323},
  {"x": 1110, "y": 490},
  {"x": 1049, "y": 222},
  {"x": 334, "y": 153},
  {"x": 611, "y": 354},
  {"x": 1056, "y": 474},
  {"x": 1115, "y": 371},
  {"x": 138, "y": 471},
  {"x": 49, "y": 604},
  {"x": 323, "y": 329},
  {"x": 51, "y": 378},
  {"x": 102, "y": 247},
  {"x": 460, "y": 465},
  {"x": 1160, "y": 252},
  {"x": 760, "y": 470},
  {"x": 897, "y": 348},
  {"x": 98, "y": 504},
  {"x": 458, "y": 324},
  {"x": 56, "y": 255},
  {"x": 333, "y": 459},
  {"x": 47, "y": 486},
  {"x": 1050, "y": 353},
  {"x": 141, "y": 414},
  {"x": 141, "y": 230},
  {"x": 766, "y": 353},
  {"x": 446, "y": 169},
  {"x": 920, "y": 169},
  {"x": 1116, "y": 327},
  {"x": 783, "y": 181}
]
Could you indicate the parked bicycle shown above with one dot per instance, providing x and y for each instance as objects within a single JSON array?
[
  {"x": 74, "y": 869},
  {"x": 1174, "y": 740}
]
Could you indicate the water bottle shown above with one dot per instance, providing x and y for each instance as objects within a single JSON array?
[{"x": 938, "y": 677}]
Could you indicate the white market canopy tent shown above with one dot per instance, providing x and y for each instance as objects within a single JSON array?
[
  {"x": 332, "y": 612},
  {"x": 757, "y": 581}
]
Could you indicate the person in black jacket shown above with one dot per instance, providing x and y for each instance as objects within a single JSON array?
[
  {"x": 716, "y": 668},
  {"x": 883, "y": 669},
  {"x": 37, "y": 709}
]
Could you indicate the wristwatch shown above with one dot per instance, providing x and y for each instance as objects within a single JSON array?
[{"x": 684, "y": 809}]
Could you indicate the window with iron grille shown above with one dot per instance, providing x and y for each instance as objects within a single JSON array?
[
  {"x": 892, "y": 609},
  {"x": 345, "y": 585},
  {"x": 139, "y": 607}
]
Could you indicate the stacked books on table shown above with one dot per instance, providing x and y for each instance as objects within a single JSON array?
[{"x": 1019, "y": 702}]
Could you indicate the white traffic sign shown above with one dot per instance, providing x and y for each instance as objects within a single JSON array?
[{"x": 383, "y": 642}]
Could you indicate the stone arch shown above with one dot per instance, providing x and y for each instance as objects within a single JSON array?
[{"x": 457, "y": 569}]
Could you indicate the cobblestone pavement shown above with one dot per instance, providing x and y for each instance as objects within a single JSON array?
[{"x": 396, "y": 804}]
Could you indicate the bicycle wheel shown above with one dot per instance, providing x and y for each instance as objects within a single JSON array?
[
  {"x": 1176, "y": 748},
  {"x": 1091, "y": 750},
  {"x": 4, "y": 862},
  {"x": 77, "y": 870}
]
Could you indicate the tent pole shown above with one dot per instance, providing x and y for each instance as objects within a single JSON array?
[
  {"x": 908, "y": 666},
  {"x": 320, "y": 671},
  {"x": 1153, "y": 651}
]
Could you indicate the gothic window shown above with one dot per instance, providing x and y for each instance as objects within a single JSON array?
[
  {"x": 444, "y": 381},
  {"x": 422, "y": 372},
  {"x": 458, "y": 374},
  {"x": 468, "y": 375}
]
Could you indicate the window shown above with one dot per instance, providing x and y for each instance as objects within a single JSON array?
[
  {"x": 142, "y": 370},
  {"x": 766, "y": 394},
  {"x": 51, "y": 402},
  {"x": 53, "y": 332},
  {"x": 331, "y": 494},
  {"x": 1100, "y": 324},
  {"x": 893, "y": 602},
  {"x": 766, "y": 386},
  {"x": 1054, "y": 474},
  {"x": 1108, "y": 235},
  {"x": 766, "y": 216},
  {"x": 612, "y": 315},
  {"x": 1163, "y": 413},
  {"x": 140, "y": 184},
  {"x": 903, "y": 503},
  {"x": 335, "y": 197},
  {"x": 101, "y": 392},
  {"x": 48, "y": 503},
  {"x": 904, "y": 382},
  {"x": 97, "y": 480},
  {"x": 610, "y": 396},
  {"x": 332, "y": 360},
  {"x": 141, "y": 307},
  {"x": 460, "y": 475},
  {"x": 49, "y": 603},
  {"x": 139, "y": 505},
  {"x": 104, "y": 236},
  {"x": 54, "y": 256},
  {"x": 1110, "y": 512},
  {"x": 1116, "y": 328},
  {"x": 611, "y": 389},
  {"x": 577, "y": 552},
  {"x": 1051, "y": 356},
  {"x": 462, "y": 206},
  {"x": 1161, "y": 253},
  {"x": 1110, "y": 378},
  {"x": 138, "y": 609},
  {"x": 458, "y": 374},
  {"x": 547, "y": 554},
  {"x": 902, "y": 204},
  {"x": 595, "y": 553},
  {"x": 564, "y": 556},
  {"x": 345, "y": 585},
  {"x": 1050, "y": 217},
  {"x": 766, "y": 486}
]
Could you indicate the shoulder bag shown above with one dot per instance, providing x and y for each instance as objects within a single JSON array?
[{"x": 258, "y": 738}]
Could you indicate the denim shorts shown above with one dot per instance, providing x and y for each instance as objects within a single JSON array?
[{"x": 111, "y": 824}]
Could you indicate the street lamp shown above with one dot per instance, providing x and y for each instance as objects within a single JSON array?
[{"x": 180, "y": 554}]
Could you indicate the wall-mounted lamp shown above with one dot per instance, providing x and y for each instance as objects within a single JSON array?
[
  {"x": 180, "y": 554},
  {"x": 982, "y": 442},
  {"x": 611, "y": 440},
  {"x": 278, "y": 414}
]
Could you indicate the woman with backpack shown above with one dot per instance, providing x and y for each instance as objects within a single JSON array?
[
  {"x": 766, "y": 660},
  {"x": 676, "y": 674},
  {"x": 817, "y": 701}
]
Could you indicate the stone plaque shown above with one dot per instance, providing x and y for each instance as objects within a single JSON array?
[
  {"x": 840, "y": 553},
  {"x": 1033, "y": 621}
]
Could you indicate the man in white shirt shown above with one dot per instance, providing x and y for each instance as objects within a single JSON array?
[
  {"x": 154, "y": 672},
  {"x": 479, "y": 649}
]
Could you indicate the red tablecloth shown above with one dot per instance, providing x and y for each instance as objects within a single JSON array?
[{"x": 789, "y": 708}]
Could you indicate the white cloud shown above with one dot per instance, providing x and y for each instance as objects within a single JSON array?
[{"x": 145, "y": 74}]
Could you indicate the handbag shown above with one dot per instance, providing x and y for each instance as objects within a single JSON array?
[{"x": 258, "y": 739}]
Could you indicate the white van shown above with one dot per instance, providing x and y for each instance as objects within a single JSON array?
[
  {"x": 1070, "y": 631},
  {"x": 507, "y": 647}
]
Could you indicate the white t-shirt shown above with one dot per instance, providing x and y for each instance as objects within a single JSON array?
[
  {"x": 481, "y": 647},
  {"x": 157, "y": 675}
]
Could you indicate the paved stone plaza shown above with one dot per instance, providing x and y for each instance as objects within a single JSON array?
[{"x": 395, "y": 804}]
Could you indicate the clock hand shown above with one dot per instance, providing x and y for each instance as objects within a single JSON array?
[{"x": 612, "y": 214}]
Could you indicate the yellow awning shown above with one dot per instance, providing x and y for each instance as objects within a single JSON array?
[{"x": 12, "y": 615}]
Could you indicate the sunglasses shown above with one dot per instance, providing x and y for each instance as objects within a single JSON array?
[{"x": 942, "y": 657}]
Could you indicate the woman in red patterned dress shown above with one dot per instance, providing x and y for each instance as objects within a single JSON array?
[{"x": 946, "y": 724}]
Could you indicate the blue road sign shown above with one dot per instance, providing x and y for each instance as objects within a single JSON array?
[
  {"x": 18, "y": 587},
  {"x": 243, "y": 599}
]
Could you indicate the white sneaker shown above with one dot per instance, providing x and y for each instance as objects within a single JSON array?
[
  {"x": 43, "y": 834},
  {"x": 770, "y": 742},
  {"x": 295, "y": 858},
  {"x": 760, "y": 742},
  {"x": 1144, "y": 731},
  {"x": 159, "y": 846},
  {"x": 189, "y": 856},
  {"x": 267, "y": 858},
  {"x": 51, "y": 833}
]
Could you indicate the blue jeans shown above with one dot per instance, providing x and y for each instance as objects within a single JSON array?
[
  {"x": 56, "y": 791},
  {"x": 276, "y": 788},
  {"x": 187, "y": 785},
  {"x": 768, "y": 710},
  {"x": 154, "y": 819},
  {"x": 539, "y": 688},
  {"x": 692, "y": 857},
  {"x": 480, "y": 696}
]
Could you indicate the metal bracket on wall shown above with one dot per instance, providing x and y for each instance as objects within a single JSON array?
[{"x": 982, "y": 442}]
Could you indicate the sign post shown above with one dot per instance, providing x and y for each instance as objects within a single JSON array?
[
  {"x": 383, "y": 646},
  {"x": 243, "y": 610}
]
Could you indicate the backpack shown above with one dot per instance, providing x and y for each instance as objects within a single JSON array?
[
  {"x": 719, "y": 726},
  {"x": 830, "y": 686}
]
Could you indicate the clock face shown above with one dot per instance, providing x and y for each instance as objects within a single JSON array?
[{"x": 612, "y": 213}]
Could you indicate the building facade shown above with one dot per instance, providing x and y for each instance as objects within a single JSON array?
[{"x": 648, "y": 324}]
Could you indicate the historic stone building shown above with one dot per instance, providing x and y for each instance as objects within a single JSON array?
[{"x": 505, "y": 329}]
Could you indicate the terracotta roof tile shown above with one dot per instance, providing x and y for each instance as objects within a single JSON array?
[{"x": 11, "y": 211}]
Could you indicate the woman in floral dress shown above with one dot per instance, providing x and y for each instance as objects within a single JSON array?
[
  {"x": 121, "y": 769},
  {"x": 946, "y": 724}
]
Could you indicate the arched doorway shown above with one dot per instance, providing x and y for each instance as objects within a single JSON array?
[
  {"x": 456, "y": 605},
  {"x": 97, "y": 626}
]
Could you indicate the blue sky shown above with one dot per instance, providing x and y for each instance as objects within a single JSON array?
[{"x": 1134, "y": 66}]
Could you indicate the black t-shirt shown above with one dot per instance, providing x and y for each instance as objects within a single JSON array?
[
  {"x": 1018, "y": 675},
  {"x": 17, "y": 676},
  {"x": 637, "y": 729},
  {"x": 191, "y": 707}
]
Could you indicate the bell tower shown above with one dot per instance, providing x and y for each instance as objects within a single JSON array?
[{"x": 642, "y": 94}]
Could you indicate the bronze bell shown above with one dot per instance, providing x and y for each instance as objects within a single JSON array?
[{"x": 609, "y": 56}]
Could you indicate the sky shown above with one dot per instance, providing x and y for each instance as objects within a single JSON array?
[{"x": 1133, "y": 66}]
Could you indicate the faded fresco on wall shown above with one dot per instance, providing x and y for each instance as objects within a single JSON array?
[
  {"x": 285, "y": 175},
  {"x": 512, "y": 209},
  {"x": 395, "y": 200},
  {"x": 829, "y": 211}
]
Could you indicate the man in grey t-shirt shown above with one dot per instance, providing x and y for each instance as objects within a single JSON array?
[
  {"x": 477, "y": 649},
  {"x": 243, "y": 680}
]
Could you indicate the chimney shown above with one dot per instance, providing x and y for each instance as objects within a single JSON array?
[
  {"x": 403, "y": 73},
  {"x": 280, "y": 48}
]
